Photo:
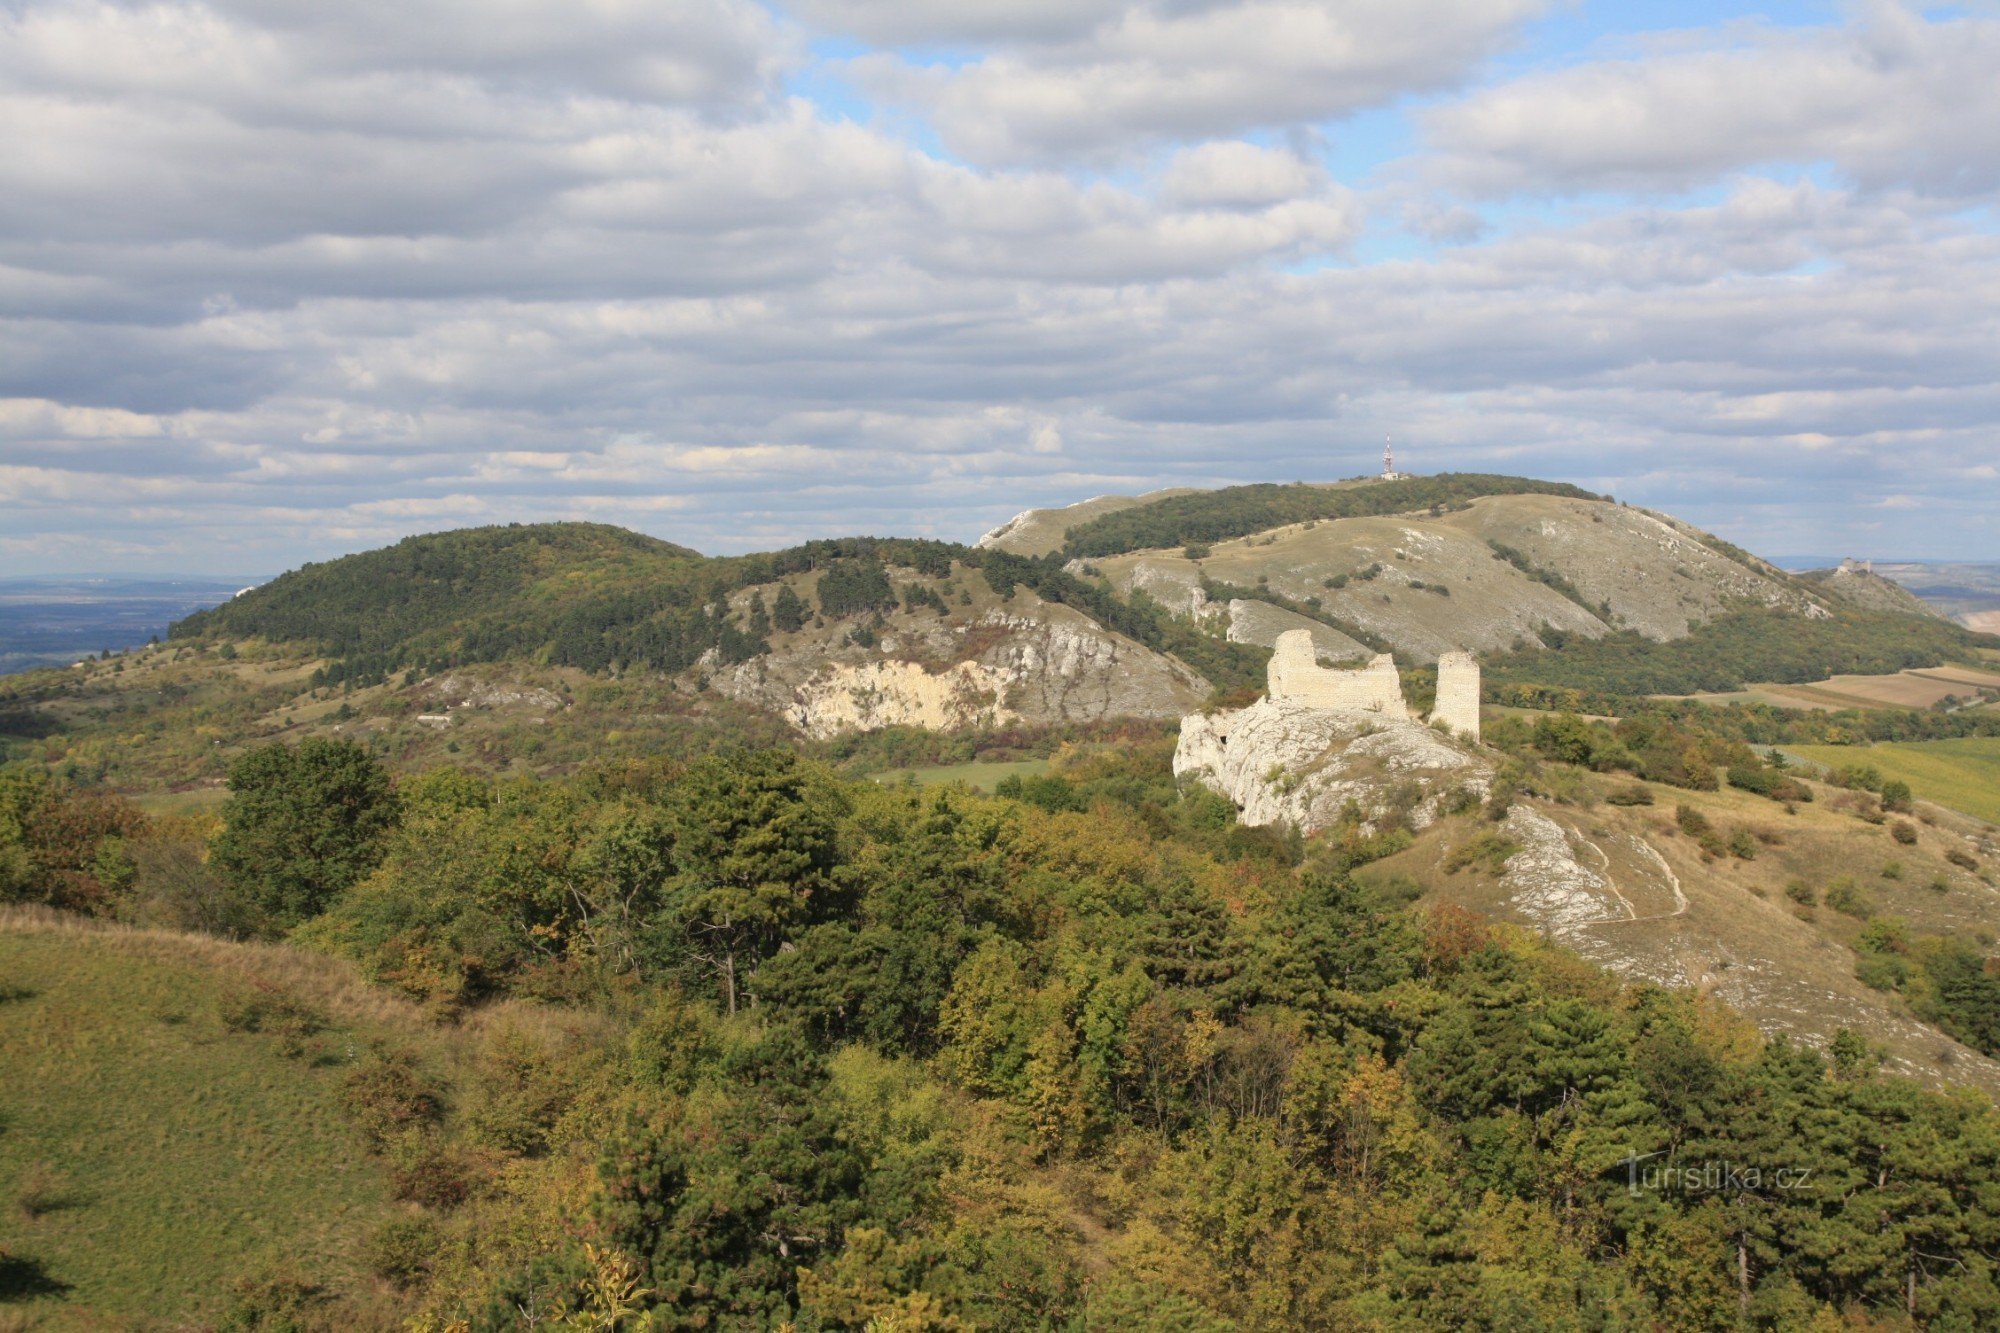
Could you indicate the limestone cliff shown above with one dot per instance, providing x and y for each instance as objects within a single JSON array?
[{"x": 1023, "y": 661}]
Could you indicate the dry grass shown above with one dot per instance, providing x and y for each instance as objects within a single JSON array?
[{"x": 325, "y": 983}]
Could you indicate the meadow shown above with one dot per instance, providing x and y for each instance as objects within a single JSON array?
[
  {"x": 1963, "y": 775},
  {"x": 980, "y": 775},
  {"x": 152, "y": 1153}
]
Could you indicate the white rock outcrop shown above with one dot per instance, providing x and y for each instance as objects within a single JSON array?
[
  {"x": 889, "y": 694},
  {"x": 1283, "y": 761},
  {"x": 1031, "y": 661}
]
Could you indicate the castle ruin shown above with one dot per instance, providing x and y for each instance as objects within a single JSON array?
[
  {"x": 1457, "y": 703},
  {"x": 1296, "y": 675}
]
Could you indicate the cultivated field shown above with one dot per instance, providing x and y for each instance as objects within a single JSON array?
[
  {"x": 1918, "y": 688},
  {"x": 1959, "y": 774}
]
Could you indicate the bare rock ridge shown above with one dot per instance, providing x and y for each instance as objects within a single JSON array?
[{"x": 1323, "y": 739}]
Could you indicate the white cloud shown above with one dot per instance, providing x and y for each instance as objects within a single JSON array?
[
  {"x": 1895, "y": 100},
  {"x": 271, "y": 288},
  {"x": 1145, "y": 73}
]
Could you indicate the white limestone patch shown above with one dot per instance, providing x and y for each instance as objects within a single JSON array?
[{"x": 1282, "y": 761}]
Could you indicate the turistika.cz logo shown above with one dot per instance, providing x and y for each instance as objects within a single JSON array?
[{"x": 1711, "y": 1177}]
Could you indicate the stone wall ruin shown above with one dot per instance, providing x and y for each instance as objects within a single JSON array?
[{"x": 1296, "y": 676}]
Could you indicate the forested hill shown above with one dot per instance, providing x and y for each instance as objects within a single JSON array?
[
  {"x": 424, "y": 585},
  {"x": 1238, "y": 511},
  {"x": 595, "y": 597},
  {"x": 1552, "y": 585}
]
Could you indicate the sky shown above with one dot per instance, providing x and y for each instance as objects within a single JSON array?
[{"x": 281, "y": 280}]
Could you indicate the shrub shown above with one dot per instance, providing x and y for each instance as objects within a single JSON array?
[
  {"x": 1636, "y": 794},
  {"x": 279, "y": 1304},
  {"x": 427, "y": 1170},
  {"x": 1758, "y": 780},
  {"x": 403, "y": 1249},
  {"x": 387, "y": 1096},
  {"x": 1195, "y": 552},
  {"x": 1904, "y": 832},
  {"x": 1845, "y": 896},
  {"x": 1896, "y": 796},
  {"x": 263, "y": 1007},
  {"x": 1491, "y": 849},
  {"x": 1964, "y": 860},
  {"x": 1802, "y": 893},
  {"x": 1743, "y": 845}
]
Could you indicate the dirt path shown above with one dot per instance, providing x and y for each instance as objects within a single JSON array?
[{"x": 1632, "y": 915}]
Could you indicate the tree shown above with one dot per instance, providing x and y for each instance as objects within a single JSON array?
[
  {"x": 754, "y": 849},
  {"x": 303, "y": 824},
  {"x": 788, "y": 613}
]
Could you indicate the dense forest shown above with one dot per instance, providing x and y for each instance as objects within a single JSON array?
[
  {"x": 1089, "y": 1056},
  {"x": 1238, "y": 511}
]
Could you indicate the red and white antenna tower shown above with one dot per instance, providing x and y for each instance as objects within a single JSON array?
[{"x": 1388, "y": 458}]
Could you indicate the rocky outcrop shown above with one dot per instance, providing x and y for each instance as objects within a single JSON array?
[
  {"x": 888, "y": 694},
  {"x": 1286, "y": 762},
  {"x": 1028, "y": 661}
]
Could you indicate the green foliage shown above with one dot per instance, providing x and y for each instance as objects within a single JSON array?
[
  {"x": 855, "y": 587},
  {"x": 1088, "y": 1056},
  {"x": 1732, "y": 651},
  {"x": 303, "y": 824},
  {"x": 788, "y": 613},
  {"x": 1237, "y": 511},
  {"x": 63, "y": 845}
]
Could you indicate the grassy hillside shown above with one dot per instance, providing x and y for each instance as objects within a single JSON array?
[{"x": 154, "y": 1151}]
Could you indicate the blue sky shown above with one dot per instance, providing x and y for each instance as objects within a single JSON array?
[{"x": 279, "y": 284}]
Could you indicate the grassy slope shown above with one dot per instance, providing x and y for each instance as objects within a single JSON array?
[
  {"x": 1961, "y": 774},
  {"x": 978, "y": 774},
  {"x": 191, "y": 1155}
]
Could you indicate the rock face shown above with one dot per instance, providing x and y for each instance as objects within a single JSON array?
[
  {"x": 888, "y": 694},
  {"x": 1283, "y": 761},
  {"x": 1027, "y": 661},
  {"x": 1323, "y": 738}
]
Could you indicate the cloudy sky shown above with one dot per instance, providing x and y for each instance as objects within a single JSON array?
[{"x": 281, "y": 279}]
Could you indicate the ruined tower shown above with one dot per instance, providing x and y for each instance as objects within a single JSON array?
[{"x": 1458, "y": 695}]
